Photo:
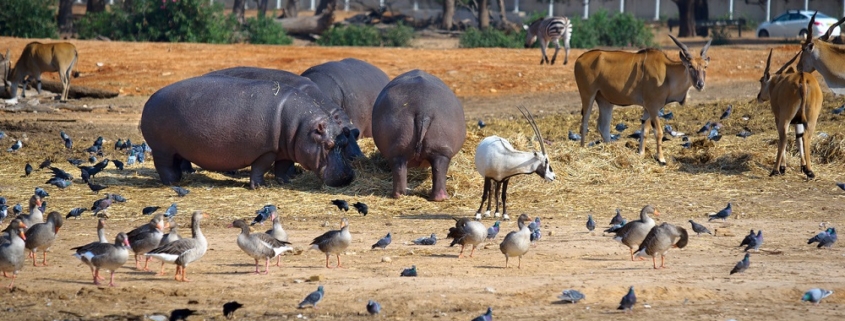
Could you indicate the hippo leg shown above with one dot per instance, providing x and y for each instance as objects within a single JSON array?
[
  {"x": 399, "y": 167},
  {"x": 439, "y": 166},
  {"x": 258, "y": 168},
  {"x": 167, "y": 166},
  {"x": 185, "y": 166},
  {"x": 284, "y": 171}
]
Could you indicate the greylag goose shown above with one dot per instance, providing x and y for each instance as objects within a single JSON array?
[
  {"x": 259, "y": 245},
  {"x": 659, "y": 240},
  {"x": 184, "y": 251},
  {"x": 168, "y": 238},
  {"x": 467, "y": 232},
  {"x": 333, "y": 242},
  {"x": 517, "y": 243},
  {"x": 101, "y": 230},
  {"x": 35, "y": 215},
  {"x": 41, "y": 236},
  {"x": 12, "y": 246},
  {"x": 105, "y": 256},
  {"x": 145, "y": 238},
  {"x": 277, "y": 232},
  {"x": 633, "y": 233}
]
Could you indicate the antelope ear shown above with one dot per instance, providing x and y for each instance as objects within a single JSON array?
[
  {"x": 809, "y": 46},
  {"x": 683, "y": 56}
]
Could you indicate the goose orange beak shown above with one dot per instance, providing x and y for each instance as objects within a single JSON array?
[{"x": 22, "y": 235}]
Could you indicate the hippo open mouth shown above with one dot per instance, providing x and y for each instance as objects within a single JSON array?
[{"x": 337, "y": 172}]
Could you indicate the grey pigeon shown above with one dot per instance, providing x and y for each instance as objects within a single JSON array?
[
  {"x": 628, "y": 301},
  {"x": 727, "y": 112},
  {"x": 374, "y": 307},
  {"x": 27, "y": 169},
  {"x": 815, "y": 295},
  {"x": 431, "y": 240},
  {"x": 58, "y": 182},
  {"x": 4, "y": 212},
  {"x": 362, "y": 208},
  {"x": 2, "y": 200},
  {"x": 16, "y": 146},
  {"x": 743, "y": 265},
  {"x": 383, "y": 242},
  {"x": 17, "y": 209},
  {"x": 486, "y": 316},
  {"x": 312, "y": 299},
  {"x": 171, "y": 211},
  {"x": 705, "y": 128},
  {"x": 481, "y": 124},
  {"x": 698, "y": 228},
  {"x": 150, "y": 209},
  {"x": 574, "y": 136},
  {"x": 181, "y": 192},
  {"x": 117, "y": 197},
  {"x": 825, "y": 239},
  {"x": 92, "y": 159},
  {"x": 412, "y": 271},
  {"x": 723, "y": 214},
  {"x": 667, "y": 116},
  {"x": 76, "y": 212},
  {"x": 616, "y": 227},
  {"x": 755, "y": 242},
  {"x": 100, "y": 205},
  {"x": 748, "y": 238},
  {"x": 263, "y": 214},
  {"x": 714, "y": 135},
  {"x": 119, "y": 144},
  {"x": 229, "y": 308},
  {"x": 686, "y": 145},
  {"x": 2, "y": 134},
  {"x": 744, "y": 134},
  {"x": 620, "y": 127},
  {"x": 341, "y": 205},
  {"x": 571, "y": 296},
  {"x": 839, "y": 110},
  {"x": 591, "y": 225},
  {"x": 841, "y": 185},
  {"x": 130, "y": 160},
  {"x": 636, "y": 135},
  {"x": 41, "y": 192},
  {"x": 617, "y": 219},
  {"x": 493, "y": 231}
]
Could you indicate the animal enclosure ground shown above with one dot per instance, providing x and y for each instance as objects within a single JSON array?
[{"x": 491, "y": 83}]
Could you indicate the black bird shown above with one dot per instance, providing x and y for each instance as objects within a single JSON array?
[
  {"x": 27, "y": 169},
  {"x": 698, "y": 228},
  {"x": 181, "y": 192},
  {"x": 96, "y": 188},
  {"x": 92, "y": 170},
  {"x": 727, "y": 112},
  {"x": 46, "y": 163},
  {"x": 74, "y": 161},
  {"x": 481, "y": 123},
  {"x": 119, "y": 144},
  {"x": 839, "y": 110},
  {"x": 230, "y": 307},
  {"x": 58, "y": 172},
  {"x": 117, "y": 198},
  {"x": 744, "y": 134},
  {"x": 743, "y": 265},
  {"x": 628, "y": 301},
  {"x": 76, "y": 212},
  {"x": 841, "y": 185},
  {"x": 341, "y": 205},
  {"x": 118, "y": 164},
  {"x": 86, "y": 177},
  {"x": 620, "y": 127},
  {"x": 181, "y": 314},
  {"x": 362, "y": 208},
  {"x": 150, "y": 209},
  {"x": 748, "y": 239},
  {"x": 102, "y": 165},
  {"x": 99, "y": 141}
]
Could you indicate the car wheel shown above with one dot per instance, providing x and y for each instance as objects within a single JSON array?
[
  {"x": 763, "y": 34},
  {"x": 802, "y": 34}
]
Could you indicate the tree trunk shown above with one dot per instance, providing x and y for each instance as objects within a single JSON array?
[
  {"x": 262, "y": 8},
  {"x": 448, "y": 14},
  {"x": 483, "y": 14},
  {"x": 309, "y": 25},
  {"x": 291, "y": 9},
  {"x": 702, "y": 12},
  {"x": 238, "y": 9},
  {"x": 65, "y": 18},
  {"x": 685, "y": 17},
  {"x": 505, "y": 21},
  {"x": 95, "y": 6},
  {"x": 324, "y": 6}
]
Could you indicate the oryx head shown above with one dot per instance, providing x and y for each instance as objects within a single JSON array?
[
  {"x": 544, "y": 169},
  {"x": 696, "y": 67},
  {"x": 808, "y": 47},
  {"x": 764, "y": 94}
]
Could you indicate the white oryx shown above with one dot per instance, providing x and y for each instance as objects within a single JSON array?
[{"x": 825, "y": 57}]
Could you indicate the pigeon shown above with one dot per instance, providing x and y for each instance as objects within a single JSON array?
[
  {"x": 2, "y": 134},
  {"x": 17, "y": 209},
  {"x": 668, "y": 129},
  {"x": 96, "y": 188},
  {"x": 263, "y": 214},
  {"x": 116, "y": 197},
  {"x": 747, "y": 240},
  {"x": 636, "y": 135},
  {"x": 69, "y": 143},
  {"x": 698, "y": 228},
  {"x": 839, "y": 110},
  {"x": 74, "y": 161},
  {"x": 574, "y": 136},
  {"x": 63, "y": 135},
  {"x": 362, "y": 208},
  {"x": 92, "y": 159},
  {"x": 825, "y": 239},
  {"x": 571, "y": 296},
  {"x": 2, "y": 200},
  {"x": 58, "y": 182},
  {"x": 741, "y": 266},
  {"x": 667, "y": 116},
  {"x": 493, "y": 231},
  {"x": 58, "y": 172},
  {"x": 686, "y": 145},
  {"x": 723, "y": 214},
  {"x": 46, "y": 163},
  {"x": 714, "y": 135},
  {"x": 481, "y": 124},
  {"x": 535, "y": 235},
  {"x": 229, "y": 308},
  {"x": 616, "y": 227},
  {"x": 150, "y": 209},
  {"x": 486, "y": 316},
  {"x": 86, "y": 175},
  {"x": 841, "y": 185},
  {"x": 130, "y": 160},
  {"x": 744, "y": 134},
  {"x": 98, "y": 141},
  {"x": 620, "y": 127},
  {"x": 705, "y": 128},
  {"x": 171, "y": 211},
  {"x": 43, "y": 207},
  {"x": 591, "y": 225},
  {"x": 618, "y": 218},
  {"x": 181, "y": 192},
  {"x": 341, "y": 205},
  {"x": 383, "y": 242},
  {"x": 181, "y": 314},
  {"x": 118, "y": 164},
  {"x": 100, "y": 205},
  {"x": 27, "y": 169},
  {"x": 4, "y": 212},
  {"x": 727, "y": 112},
  {"x": 628, "y": 301},
  {"x": 76, "y": 212},
  {"x": 412, "y": 271},
  {"x": 41, "y": 192},
  {"x": 312, "y": 299},
  {"x": 16, "y": 146},
  {"x": 755, "y": 242},
  {"x": 430, "y": 240},
  {"x": 374, "y": 307},
  {"x": 815, "y": 295},
  {"x": 119, "y": 144}
]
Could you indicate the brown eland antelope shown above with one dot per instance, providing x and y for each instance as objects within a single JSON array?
[
  {"x": 38, "y": 58},
  {"x": 796, "y": 98},
  {"x": 647, "y": 78},
  {"x": 825, "y": 57}
]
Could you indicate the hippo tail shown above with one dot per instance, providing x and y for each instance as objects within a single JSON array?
[{"x": 420, "y": 128}]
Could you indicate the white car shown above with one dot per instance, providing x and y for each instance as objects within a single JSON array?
[{"x": 793, "y": 23}]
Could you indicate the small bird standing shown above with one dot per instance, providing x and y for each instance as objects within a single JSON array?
[
  {"x": 628, "y": 301},
  {"x": 825, "y": 239},
  {"x": 573, "y": 136},
  {"x": 618, "y": 219},
  {"x": 727, "y": 112},
  {"x": 341, "y": 205},
  {"x": 748, "y": 238},
  {"x": 412, "y": 271},
  {"x": 96, "y": 188},
  {"x": 383, "y": 242},
  {"x": 620, "y": 127},
  {"x": 181, "y": 192},
  {"x": 837, "y": 111},
  {"x": 374, "y": 307},
  {"x": 743, "y": 265},
  {"x": 815, "y": 295},
  {"x": 27, "y": 169},
  {"x": 486, "y": 316},
  {"x": 46, "y": 163},
  {"x": 171, "y": 211},
  {"x": 755, "y": 242},
  {"x": 118, "y": 164},
  {"x": 362, "y": 208},
  {"x": 591, "y": 225},
  {"x": 181, "y": 314},
  {"x": 493, "y": 231},
  {"x": 76, "y": 212},
  {"x": 426, "y": 240},
  {"x": 312, "y": 299},
  {"x": 481, "y": 124},
  {"x": 698, "y": 228},
  {"x": 723, "y": 214},
  {"x": 571, "y": 296},
  {"x": 16, "y": 146},
  {"x": 229, "y": 308}
]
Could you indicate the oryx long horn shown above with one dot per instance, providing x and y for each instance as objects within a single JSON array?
[
  {"x": 787, "y": 64},
  {"x": 681, "y": 45},
  {"x": 826, "y": 35},
  {"x": 706, "y": 46},
  {"x": 768, "y": 62},
  {"x": 533, "y": 124}
]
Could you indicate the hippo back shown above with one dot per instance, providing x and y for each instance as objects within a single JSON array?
[{"x": 354, "y": 85}]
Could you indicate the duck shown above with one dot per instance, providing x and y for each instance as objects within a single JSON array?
[
  {"x": 184, "y": 251},
  {"x": 334, "y": 242},
  {"x": 168, "y": 238},
  {"x": 259, "y": 245},
  {"x": 659, "y": 240},
  {"x": 517, "y": 243},
  {"x": 467, "y": 232},
  {"x": 35, "y": 215},
  {"x": 42, "y": 235},
  {"x": 12, "y": 247},
  {"x": 105, "y": 256},
  {"x": 145, "y": 238},
  {"x": 633, "y": 233},
  {"x": 277, "y": 232}
]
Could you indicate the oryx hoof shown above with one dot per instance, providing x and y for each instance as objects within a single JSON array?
[
  {"x": 496, "y": 214},
  {"x": 505, "y": 217},
  {"x": 782, "y": 170},
  {"x": 487, "y": 214},
  {"x": 477, "y": 216}
]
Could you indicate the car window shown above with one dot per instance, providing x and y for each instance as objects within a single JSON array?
[
  {"x": 796, "y": 17},
  {"x": 781, "y": 18}
]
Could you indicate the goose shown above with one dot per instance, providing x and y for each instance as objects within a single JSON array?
[
  {"x": 517, "y": 243},
  {"x": 184, "y": 251},
  {"x": 277, "y": 232},
  {"x": 12, "y": 246},
  {"x": 467, "y": 232},
  {"x": 145, "y": 238},
  {"x": 334, "y": 242},
  {"x": 259, "y": 245},
  {"x": 42, "y": 235},
  {"x": 101, "y": 230},
  {"x": 659, "y": 240},
  {"x": 633, "y": 233},
  {"x": 35, "y": 215},
  {"x": 105, "y": 256},
  {"x": 168, "y": 238}
]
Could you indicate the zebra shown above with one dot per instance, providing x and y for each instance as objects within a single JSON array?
[{"x": 549, "y": 29}]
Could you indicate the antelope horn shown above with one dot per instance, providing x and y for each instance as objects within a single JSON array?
[
  {"x": 533, "y": 124},
  {"x": 682, "y": 46},
  {"x": 787, "y": 64},
  {"x": 810, "y": 28},
  {"x": 768, "y": 63},
  {"x": 706, "y": 46},
  {"x": 826, "y": 35}
]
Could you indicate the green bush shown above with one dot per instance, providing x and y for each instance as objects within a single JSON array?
[
  {"x": 28, "y": 18},
  {"x": 366, "y": 36},
  {"x": 398, "y": 36},
  {"x": 492, "y": 38},
  {"x": 266, "y": 31},
  {"x": 619, "y": 30}
]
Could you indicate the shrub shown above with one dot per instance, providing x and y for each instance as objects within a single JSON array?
[
  {"x": 398, "y": 36},
  {"x": 266, "y": 31},
  {"x": 366, "y": 36},
  {"x": 492, "y": 38},
  {"x": 619, "y": 30},
  {"x": 28, "y": 18}
]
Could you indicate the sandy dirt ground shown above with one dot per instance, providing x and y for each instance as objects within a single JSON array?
[{"x": 490, "y": 82}]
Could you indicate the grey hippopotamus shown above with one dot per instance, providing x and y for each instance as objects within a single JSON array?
[
  {"x": 226, "y": 123},
  {"x": 418, "y": 122},
  {"x": 350, "y": 132},
  {"x": 354, "y": 85}
]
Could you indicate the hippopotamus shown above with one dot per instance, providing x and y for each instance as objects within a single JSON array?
[
  {"x": 418, "y": 122},
  {"x": 225, "y": 123},
  {"x": 354, "y": 85},
  {"x": 350, "y": 132}
]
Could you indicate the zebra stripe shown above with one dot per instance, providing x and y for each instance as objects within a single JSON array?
[{"x": 548, "y": 30}]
